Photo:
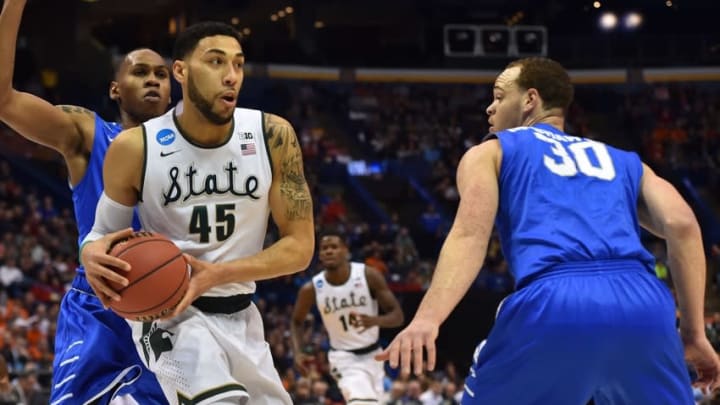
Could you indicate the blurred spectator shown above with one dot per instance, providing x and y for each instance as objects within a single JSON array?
[
  {"x": 320, "y": 392},
  {"x": 451, "y": 396},
  {"x": 31, "y": 391},
  {"x": 431, "y": 220},
  {"x": 412, "y": 396},
  {"x": 433, "y": 394},
  {"x": 375, "y": 259},
  {"x": 303, "y": 394},
  {"x": 9, "y": 393},
  {"x": 397, "y": 393},
  {"x": 335, "y": 211},
  {"x": 11, "y": 277},
  {"x": 715, "y": 253}
]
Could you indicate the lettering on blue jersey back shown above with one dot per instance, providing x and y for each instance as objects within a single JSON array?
[{"x": 571, "y": 154}]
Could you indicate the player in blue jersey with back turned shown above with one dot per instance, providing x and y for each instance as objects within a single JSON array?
[
  {"x": 589, "y": 318},
  {"x": 95, "y": 360}
]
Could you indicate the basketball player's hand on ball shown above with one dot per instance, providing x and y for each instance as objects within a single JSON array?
[
  {"x": 408, "y": 347},
  {"x": 203, "y": 276},
  {"x": 100, "y": 266},
  {"x": 700, "y": 354}
]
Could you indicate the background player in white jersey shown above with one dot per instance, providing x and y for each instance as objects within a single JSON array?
[
  {"x": 93, "y": 357},
  {"x": 208, "y": 178},
  {"x": 347, "y": 295}
]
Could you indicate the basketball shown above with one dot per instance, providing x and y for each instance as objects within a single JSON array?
[{"x": 158, "y": 277}]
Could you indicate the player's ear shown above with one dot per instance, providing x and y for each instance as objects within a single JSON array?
[
  {"x": 114, "y": 90},
  {"x": 179, "y": 69},
  {"x": 531, "y": 99}
]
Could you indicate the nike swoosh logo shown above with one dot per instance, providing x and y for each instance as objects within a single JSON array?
[{"x": 164, "y": 154}]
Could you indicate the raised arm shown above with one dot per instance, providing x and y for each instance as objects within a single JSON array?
[
  {"x": 303, "y": 304},
  {"x": 67, "y": 129}
]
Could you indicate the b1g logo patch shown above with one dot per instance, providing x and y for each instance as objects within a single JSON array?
[{"x": 165, "y": 137}]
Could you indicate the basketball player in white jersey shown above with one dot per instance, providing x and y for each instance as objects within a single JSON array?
[
  {"x": 347, "y": 295},
  {"x": 208, "y": 177}
]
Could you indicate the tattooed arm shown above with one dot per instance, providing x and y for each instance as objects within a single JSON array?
[
  {"x": 67, "y": 129},
  {"x": 290, "y": 202}
]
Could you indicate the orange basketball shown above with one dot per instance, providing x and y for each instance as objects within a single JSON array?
[{"x": 158, "y": 278}]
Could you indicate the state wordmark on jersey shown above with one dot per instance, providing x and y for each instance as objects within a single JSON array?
[
  {"x": 192, "y": 184},
  {"x": 333, "y": 304}
]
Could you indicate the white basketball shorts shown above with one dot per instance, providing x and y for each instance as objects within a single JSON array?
[
  {"x": 360, "y": 377},
  {"x": 203, "y": 358}
]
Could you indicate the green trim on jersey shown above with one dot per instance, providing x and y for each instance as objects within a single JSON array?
[
  {"x": 187, "y": 137},
  {"x": 209, "y": 393},
  {"x": 267, "y": 145},
  {"x": 145, "y": 153}
]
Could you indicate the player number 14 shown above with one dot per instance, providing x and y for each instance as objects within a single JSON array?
[
  {"x": 349, "y": 321},
  {"x": 567, "y": 160}
]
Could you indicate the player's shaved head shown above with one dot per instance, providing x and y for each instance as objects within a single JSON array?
[{"x": 138, "y": 56}]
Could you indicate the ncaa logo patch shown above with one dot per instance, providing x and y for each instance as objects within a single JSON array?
[
  {"x": 319, "y": 284},
  {"x": 165, "y": 137}
]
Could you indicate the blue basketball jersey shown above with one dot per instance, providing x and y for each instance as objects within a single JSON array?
[
  {"x": 86, "y": 193},
  {"x": 566, "y": 200},
  {"x": 95, "y": 359}
]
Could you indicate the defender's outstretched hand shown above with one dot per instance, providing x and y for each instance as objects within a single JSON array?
[
  {"x": 408, "y": 347},
  {"x": 700, "y": 354}
]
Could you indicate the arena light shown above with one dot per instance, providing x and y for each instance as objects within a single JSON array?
[
  {"x": 632, "y": 20},
  {"x": 597, "y": 4},
  {"x": 608, "y": 21},
  {"x": 530, "y": 40},
  {"x": 461, "y": 40},
  {"x": 495, "y": 41}
]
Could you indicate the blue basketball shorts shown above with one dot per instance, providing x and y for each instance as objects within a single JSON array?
[
  {"x": 95, "y": 358},
  {"x": 574, "y": 335}
]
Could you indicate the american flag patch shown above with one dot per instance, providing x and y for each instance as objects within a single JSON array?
[{"x": 247, "y": 148}]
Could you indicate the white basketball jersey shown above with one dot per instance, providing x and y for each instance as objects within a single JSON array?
[
  {"x": 338, "y": 303},
  {"x": 211, "y": 201}
]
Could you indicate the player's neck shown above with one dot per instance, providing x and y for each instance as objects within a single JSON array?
[
  {"x": 551, "y": 117},
  {"x": 193, "y": 124},
  {"x": 128, "y": 121},
  {"x": 338, "y": 276}
]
